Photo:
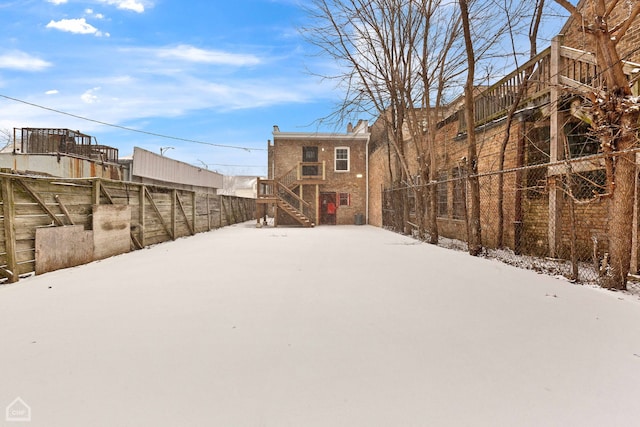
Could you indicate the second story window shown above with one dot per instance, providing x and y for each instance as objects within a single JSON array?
[
  {"x": 342, "y": 159},
  {"x": 310, "y": 160}
]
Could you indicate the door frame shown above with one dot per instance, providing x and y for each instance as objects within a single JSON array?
[{"x": 325, "y": 217}]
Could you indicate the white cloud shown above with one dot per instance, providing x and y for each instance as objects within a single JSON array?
[
  {"x": 90, "y": 97},
  {"x": 76, "y": 26},
  {"x": 194, "y": 54},
  {"x": 17, "y": 60},
  {"x": 133, "y": 5},
  {"x": 52, "y": 92},
  {"x": 57, "y": 2},
  {"x": 92, "y": 13}
]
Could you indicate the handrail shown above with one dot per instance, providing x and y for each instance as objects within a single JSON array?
[
  {"x": 266, "y": 187},
  {"x": 581, "y": 72},
  {"x": 297, "y": 173},
  {"x": 628, "y": 67},
  {"x": 290, "y": 177},
  {"x": 292, "y": 194},
  {"x": 496, "y": 100},
  {"x": 280, "y": 192}
]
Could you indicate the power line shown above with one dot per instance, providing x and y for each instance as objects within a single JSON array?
[
  {"x": 175, "y": 138},
  {"x": 237, "y": 166}
]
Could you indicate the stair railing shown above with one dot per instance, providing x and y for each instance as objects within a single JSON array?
[{"x": 299, "y": 204}]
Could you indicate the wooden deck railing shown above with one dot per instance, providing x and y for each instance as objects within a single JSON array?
[
  {"x": 495, "y": 102},
  {"x": 577, "y": 70}
]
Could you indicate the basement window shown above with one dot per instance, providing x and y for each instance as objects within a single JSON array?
[
  {"x": 458, "y": 193},
  {"x": 589, "y": 185}
]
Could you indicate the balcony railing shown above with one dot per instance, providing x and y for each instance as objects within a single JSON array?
[{"x": 577, "y": 69}]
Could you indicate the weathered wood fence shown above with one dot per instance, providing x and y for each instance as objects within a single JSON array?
[{"x": 158, "y": 214}]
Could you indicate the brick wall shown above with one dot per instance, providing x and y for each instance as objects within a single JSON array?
[
  {"x": 287, "y": 152},
  {"x": 629, "y": 46}
]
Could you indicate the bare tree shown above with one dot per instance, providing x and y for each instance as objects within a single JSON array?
[
  {"x": 474, "y": 236},
  {"x": 393, "y": 56},
  {"x": 534, "y": 26},
  {"x": 441, "y": 54},
  {"x": 615, "y": 120},
  {"x": 6, "y": 138}
]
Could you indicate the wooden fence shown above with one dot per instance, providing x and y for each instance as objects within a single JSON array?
[{"x": 158, "y": 214}]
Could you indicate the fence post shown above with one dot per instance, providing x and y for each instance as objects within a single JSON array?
[
  {"x": 8, "y": 205},
  {"x": 141, "y": 201},
  {"x": 193, "y": 210},
  {"x": 95, "y": 194},
  {"x": 555, "y": 147},
  {"x": 174, "y": 197},
  {"x": 208, "y": 213}
]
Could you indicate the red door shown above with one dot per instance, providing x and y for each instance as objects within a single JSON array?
[{"x": 328, "y": 208}]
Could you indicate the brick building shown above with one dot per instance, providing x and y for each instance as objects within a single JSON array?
[
  {"x": 317, "y": 178},
  {"x": 546, "y": 132}
]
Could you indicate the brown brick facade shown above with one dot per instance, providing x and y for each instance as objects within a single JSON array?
[
  {"x": 536, "y": 205},
  {"x": 286, "y": 154}
]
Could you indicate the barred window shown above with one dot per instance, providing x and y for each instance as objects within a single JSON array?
[
  {"x": 442, "y": 188},
  {"x": 588, "y": 185},
  {"x": 537, "y": 153},
  {"x": 580, "y": 139},
  {"x": 458, "y": 193}
]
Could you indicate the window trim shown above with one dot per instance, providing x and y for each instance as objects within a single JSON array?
[
  {"x": 335, "y": 159},
  {"x": 347, "y": 196}
]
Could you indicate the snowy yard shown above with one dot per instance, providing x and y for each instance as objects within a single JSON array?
[{"x": 330, "y": 326}]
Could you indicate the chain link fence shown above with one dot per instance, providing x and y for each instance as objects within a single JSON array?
[{"x": 551, "y": 218}]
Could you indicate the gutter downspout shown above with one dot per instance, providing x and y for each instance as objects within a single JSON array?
[{"x": 367, "y": 180}]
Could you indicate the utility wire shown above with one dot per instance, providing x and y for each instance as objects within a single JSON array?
[
  {"x": 237, "y": 166},
  {"x": 176, "y": 138}
]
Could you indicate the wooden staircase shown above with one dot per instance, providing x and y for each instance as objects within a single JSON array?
[
  {"x": 294, "y": 213},
  {"x": 281, "y": 192},
  {"x": 274, "y": 192}
]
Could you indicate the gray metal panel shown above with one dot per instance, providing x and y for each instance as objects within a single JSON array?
[{"x": 153, "y": 166}]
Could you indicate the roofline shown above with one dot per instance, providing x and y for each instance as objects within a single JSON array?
[{"x": 330, "y": 136}]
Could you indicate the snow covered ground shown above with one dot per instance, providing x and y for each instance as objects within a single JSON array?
[{"x": 331, "y": 326}]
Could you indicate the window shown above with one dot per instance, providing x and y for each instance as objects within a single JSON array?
[
  {"x": 342, "y": 159},
  {"x": 580, "y": 139},
  {"x": 537, "y": 153},
  {"x": 443, "y": 207},
  {"x": 309, "y": 155},
  {"x": 588, "y": 185},
  {"x": 345, "y": 199},
  {"x": 458, "y": 193}
]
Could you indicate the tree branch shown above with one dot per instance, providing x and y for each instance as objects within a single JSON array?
[
  {"x": 622, "y": 31},
  {"x": 570, "y": 8}
]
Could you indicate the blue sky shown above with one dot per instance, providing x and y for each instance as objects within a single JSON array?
[
  {"x": 219, "y": 72},
  {"x": 211, "y": 71}
]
